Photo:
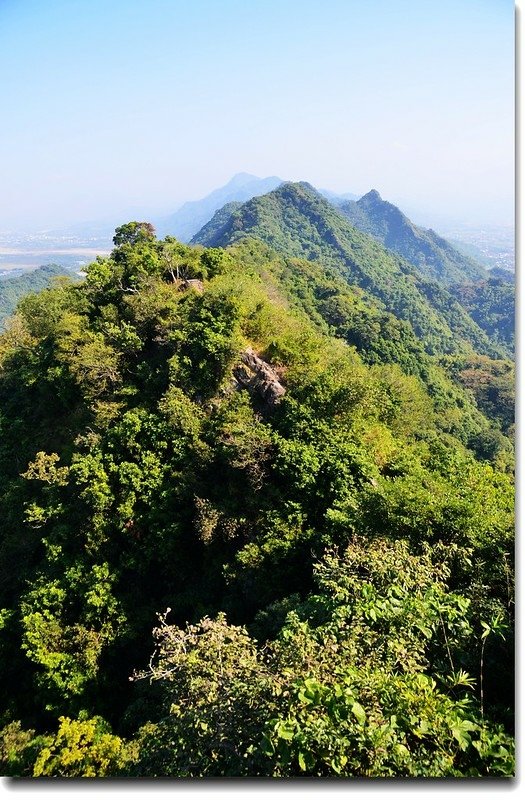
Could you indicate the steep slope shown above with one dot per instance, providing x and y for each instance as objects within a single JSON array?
[
  {"x": 491, "y": 304},
  {"x": 502, "y": 274},
  {"x": 13, "y": 289},
  {"x": 190, "y": 218},
  {"x": 219, "y": 226},
  {"x": 295, "y": 219},
  {"x": 434, "y": 256}
]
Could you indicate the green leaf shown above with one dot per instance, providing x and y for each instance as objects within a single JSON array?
[
  {"x": 402, "y": 750},
  {"x": 285, "y": 730},
  {"x": 359, "y": 712}
]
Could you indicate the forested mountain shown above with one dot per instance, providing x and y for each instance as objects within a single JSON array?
[
  {"x": 491, "y": 304},
  {"x": 295, "y": 220},
  {"x": 13, "y": 289},
  {"x": 254, "y": 457},
  {"x": 504, "y": 275},
  {"x": 194, "y": 214},
  {"x": 433, "y": 255},
  {"x": 191, "y": 216}
]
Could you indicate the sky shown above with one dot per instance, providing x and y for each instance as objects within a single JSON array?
[{"x": 130, "y": 107}]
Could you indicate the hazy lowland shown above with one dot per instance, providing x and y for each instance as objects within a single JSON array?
[
  {"x": 256, "y": 477},
  {"x": 76, "y": 245}
]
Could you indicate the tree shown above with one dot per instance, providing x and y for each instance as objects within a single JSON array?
[
  {"x": 83, "y": 748},
  {"x": 363, "y": 681},
  {"x": 133, "y": 232}
]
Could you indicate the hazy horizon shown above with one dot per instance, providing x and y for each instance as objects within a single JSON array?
[{"x": 111, "y": 110}]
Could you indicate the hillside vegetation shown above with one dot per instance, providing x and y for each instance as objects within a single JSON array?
[
  {"x": 13, "y": 289},
  {"x": 491, "y": 304},
  {"x": 430, "y": 253},
  {"x": 295, "y": 220},
  {"x": 261, "y": 526}
]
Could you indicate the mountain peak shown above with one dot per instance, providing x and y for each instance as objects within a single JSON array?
[
  {"x": 191, "y": 216},
  {"x": 242, "y": 178},
  {"x": 296, "y": 186},
  {"x": 374, "y": 195},
  {"x": 432, "y": 255}
]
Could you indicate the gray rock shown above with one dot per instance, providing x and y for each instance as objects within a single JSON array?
[{"x": 258, "y": 377}]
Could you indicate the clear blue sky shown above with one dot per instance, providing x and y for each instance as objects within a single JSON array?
[{"x": 112, "y": 106}]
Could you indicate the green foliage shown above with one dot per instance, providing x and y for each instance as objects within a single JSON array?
[
  {"x": 296, "y": 221},
  {"x": 409, "y": 729},
  {"x": 133, "y": 232},
  {"x": 348, "y": 526},
  {"x": 491, "y": 304},
  {"x": 18, "y": 750},
  {"x": 67, "y": 648},
  {"x": 83, "y": 748},
  {"x": 90, "y": 360},
  {"x": 212, "y": 343},
  {"x": 379, "y": 337},
  {"x": 346, "y": 689},
  {"x": 211, "y": 672},
  {"x": 492, "y": 384}
]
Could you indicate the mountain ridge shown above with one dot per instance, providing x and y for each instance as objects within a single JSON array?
[
  {"x": 432, "y": 254},
  {"x": 295, "y": 219},
  {"x": 193, "y": 214}
]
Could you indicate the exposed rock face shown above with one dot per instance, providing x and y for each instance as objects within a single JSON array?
[
  {"x": 193, "y": 283},
  {"x": 259, "y": 378}
]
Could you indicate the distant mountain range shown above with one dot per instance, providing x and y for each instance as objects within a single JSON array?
[
  {"x": 304, "y": 434},
  {"x": 295, "y": 219},
  {"x": 407, "y": 273},
  {"x": 190, "y": 217},
  {"x": 338, "y": 199},
  {"x": 193, "y": 215},
  {"x": 433, "y": 255}
]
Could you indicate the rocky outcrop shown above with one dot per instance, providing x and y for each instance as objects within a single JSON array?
[
  {"x": 259, "y": 378},
  {"x": 193, "y": 283}
]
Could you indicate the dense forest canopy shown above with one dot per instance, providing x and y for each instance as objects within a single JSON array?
[{"x": 260, "y": 503}]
